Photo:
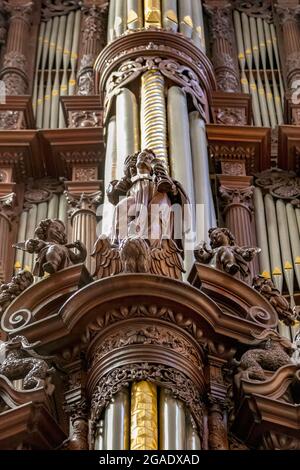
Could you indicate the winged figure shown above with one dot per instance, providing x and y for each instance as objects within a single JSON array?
[
  {"x": 224, "y": 254},
  {"x": 144, "y": 233}
]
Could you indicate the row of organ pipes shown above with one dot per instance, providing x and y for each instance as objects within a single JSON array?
[
  {"x": 146, "y": 417},
  {"x": 259, "y": 63},
  {"x": 184, "y": 16},
  {"x": 56, "y": 65}
]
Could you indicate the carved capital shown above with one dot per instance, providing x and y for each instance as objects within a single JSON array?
[
  {"x": 287, "y": 14},
  {"x": 19, "y": 11},
  {"x": 234, "y": 196},
  {"x": 220, "y": 22},
  {"x": 83, "y": 202},
  {"x": 8, "y": 206}
]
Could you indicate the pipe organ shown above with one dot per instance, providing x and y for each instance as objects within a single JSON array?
[{"x": 176, "y": 342}]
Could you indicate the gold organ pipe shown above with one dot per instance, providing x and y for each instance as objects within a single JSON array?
[
  {"x": 144, "y": 417},
  {"x": 58, "y": 59},
  {"x": 47, "y": 98},
  {"x": 274, "y": 245},
  {"x": 66, "y": 61},
  {"x": 261, "y": 233},
  {"x": 152, "y": 13},
  {"x": 153, "y": 114},
  {"x": 134, "y": 14},
  {"x": 74, "y": 53},
  {"x": 286, "y": 254},
  {"x": 40, "y": 100},
  {"x": 241, "y": 50}
]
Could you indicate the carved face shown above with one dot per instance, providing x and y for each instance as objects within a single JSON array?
[
  {"x": 144, "y": 162},
  {"x": 56, "y": 232},
  {"x": 219, "y": 238}
]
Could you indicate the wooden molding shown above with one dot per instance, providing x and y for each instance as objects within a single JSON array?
[{"x": 289, "y": 148}]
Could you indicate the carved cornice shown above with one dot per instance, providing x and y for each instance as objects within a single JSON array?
[
  {"x": 255, "y": 8},
  {"x": 252, "y": 145},
  {"x": 58, "y": 8},
  {"x": 280, "y": 184},
  {"x": 155, "y": 43}
]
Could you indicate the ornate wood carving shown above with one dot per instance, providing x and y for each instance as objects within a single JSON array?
[
  {"x": 289, "y": 149},
  {"x": 167, "y": 377},
  {"x": 225, "y": 254},
  {"x": 11, "y": 290},
  {"x": 280, "y": 184},
  {"x": 224, "y": 56},
  {"x": 168, "y": 47}
]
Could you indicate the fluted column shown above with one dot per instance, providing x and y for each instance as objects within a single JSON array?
[
  {"x": 7, "y": 216},
  {"x": 224, "y": 56},
  {"x": 289, "y": 19},
  {"x": 93, "y": 40},
  {"x": 237, "y": 197},
  {"x": 83, "y": 197},
  {"x": 14, "y": 72}
]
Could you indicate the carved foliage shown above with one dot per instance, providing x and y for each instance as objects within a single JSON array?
[
  {"x": 167, "y": 377},
  {"x": 280, "y": 184},
  {"x": 230, "y": 116},
  {"x": 148, "y": 335},
  {"x": 180, "y": 74},
  {"x": 11, "y": 290}
]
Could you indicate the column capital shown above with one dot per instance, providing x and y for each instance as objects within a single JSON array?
[
  {"x": 20, "y": 9},
  {"x": 288, "y": 14}
]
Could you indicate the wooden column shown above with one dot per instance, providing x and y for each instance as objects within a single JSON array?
[
  {"x": 237, "y": 197},
  {"x": 224, "y": 55},
  {"x": 7, "y": 217},
  {"x": 14, "y": 72},
  {"x": 83, "y": 195},
  {"x": 289, "y": 19}
]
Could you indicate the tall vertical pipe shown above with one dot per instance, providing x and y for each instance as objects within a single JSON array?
[
  {"x": 180, "y": 154},
  {"x": 169, "y": 15},
  {"x": 186, "y": 17},
  {"x": 47, "y": 98},
  {"x": 274, "y": 245},
  {"x": 120, "y": 17},
  {"x": 172, "y": 428},
  {"x": 241, "y": 50},
  {"x": 30, "y": 228},
  {"x": 111, "y": 21},
  {"x": 99, "y": 437},
  {"x": 40, "y": 100},
  {"x": 66, "y": 61},
  {"x": 56, "y": 84},
  {"x": 198, "y": 35},
  {"x": 127, "y": 127},
  {"x": 134, "y": 14},
  {"x": 21, "y": 237},
  {"x": 116, "y": 422},
  {"x": 285, "y": 248},
  {"x": 38, "y": 60},
  {"x": 152, "y": 13},
  {"x": 153, "y": 115},
  {"x": 295, "y": 239},
  {"x": 261, "y": 233},
  {"x": 74, "y": 53},
  {"x": 203, "y": 191},
  {"x": 144, "y": 417},
  {"x": 193, "y": 441},
  {"x": 110, "y": 173}
]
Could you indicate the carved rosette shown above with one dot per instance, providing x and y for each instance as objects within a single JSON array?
[{"x": 223, "y": 52}]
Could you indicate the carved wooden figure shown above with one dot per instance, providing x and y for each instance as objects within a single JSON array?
[
  {"x": 225, "y": 254},
  {"x": 50, "y": 244}
]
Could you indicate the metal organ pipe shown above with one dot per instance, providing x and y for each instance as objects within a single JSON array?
[
  {"x": 285, "y": 248},
  {"x": 172, "y": 427},
  {"x": 116, "y": 422},
  {"x": 169, "y": 15},
  {"x": 294, "y": 232},
  {"x": 274, "y": 244},
  {"x": 134, "y": 14},
  {"x": 261, "y": 233}
]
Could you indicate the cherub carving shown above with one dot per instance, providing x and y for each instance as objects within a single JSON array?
[
  {"x": 274, "y": 352},
  {"x": 143, "y": 235},
  {"x": 225, "y": 254},
  {"x": 11, "y": 290},
  {"x": 50, "y": 245},
  {"x": 23, "y": 363},
  {"x": 266, "y": 288}
]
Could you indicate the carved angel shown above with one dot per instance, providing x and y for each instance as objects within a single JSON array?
[
  {"x": 50, "y": 245},
  {"x": 225, "y": 254},
  {"x": 143, "y": 230},
  {"x": 266, "y": 288}
]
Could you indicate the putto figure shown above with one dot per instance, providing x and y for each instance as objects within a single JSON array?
[
  {"x": 11, "y": 290},
  {"x": 225, "y": 254},
  {"x": 145, "y": 235},
  {"x": 50, "y": 245},
  {"x": 267, "y": 289}
]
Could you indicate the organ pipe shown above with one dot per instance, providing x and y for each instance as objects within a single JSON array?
[
  {"x": 74, "y": 53},
  {"x": 152, "y": 13},
  {"x": 274, "y": 245},
  {"x": 193, "y": 441},
  {"x": 116, "y": 427},
  {"x": 172, "y": 427},
  {"x": 295, "y": 239},
  {"x": 38, "y": 59},
  {"x": 120, "y": 17},
  {"x": 198, "y": 25},
  {"x": 285, "y": 248},
  {"x": 169, "y": 14},
  {"x": 144, "y": 417},
  {"x": 128, "y": 141},
  {"x": 99, "y": 437},
  {"x": 134, "y": 14},
  {"x": 261, "y": 233},
  {"x": 186, "y": 17},
  {"x": 47, "y": 98},
  {"x": 40, "y": 99},
  {"x": 153, "y": 115}
]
